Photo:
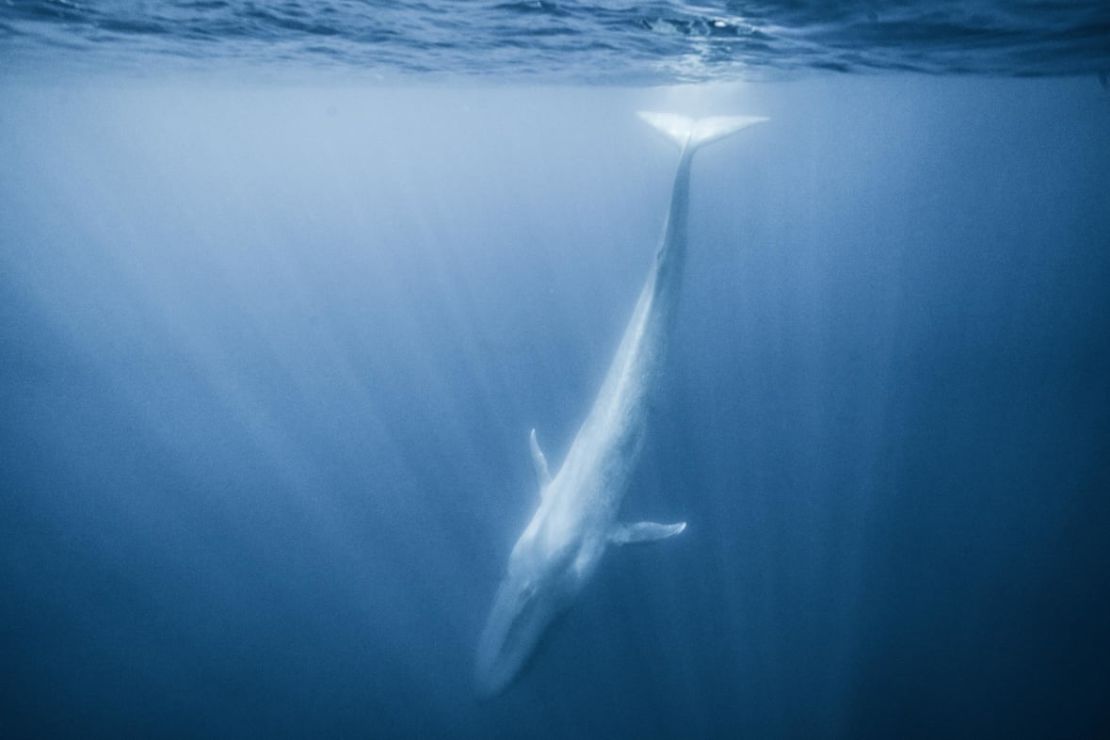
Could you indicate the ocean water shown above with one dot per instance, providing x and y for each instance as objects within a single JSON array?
[{"x": 284, "y": 287}]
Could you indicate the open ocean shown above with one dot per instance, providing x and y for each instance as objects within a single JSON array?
[{"x": 284, "y": 286}]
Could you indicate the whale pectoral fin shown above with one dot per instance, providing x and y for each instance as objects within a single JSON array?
[
  {"x": 631, "y": 534},
  {"x": 543, "y": 475}
]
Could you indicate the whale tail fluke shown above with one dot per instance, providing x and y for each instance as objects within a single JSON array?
[{"x": 697, "y": 132}]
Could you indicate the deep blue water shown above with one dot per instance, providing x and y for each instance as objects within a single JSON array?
[{"x": 272, "y": 338}]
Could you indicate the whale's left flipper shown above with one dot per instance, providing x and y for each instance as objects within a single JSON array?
[
  {"x": 539, "y": 460},
  {"x": 630, "y": 534}
]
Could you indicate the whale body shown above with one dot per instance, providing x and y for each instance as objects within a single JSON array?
[{"x": 576, "y": 519}]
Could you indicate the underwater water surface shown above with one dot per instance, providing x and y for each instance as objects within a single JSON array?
[{"x": 276, "y": 320}]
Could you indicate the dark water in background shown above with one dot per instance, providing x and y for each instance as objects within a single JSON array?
[{"x": 270, "y": 349}]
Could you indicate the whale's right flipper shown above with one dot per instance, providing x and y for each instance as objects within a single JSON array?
[{"x": 631, "y": 534}]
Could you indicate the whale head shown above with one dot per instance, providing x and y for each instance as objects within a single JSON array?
[{"x": 536, "y": 589}]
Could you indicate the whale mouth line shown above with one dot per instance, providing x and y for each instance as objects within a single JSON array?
[
  {"x": 492, "y": 677},
  {"x": 509, "y": 637}
]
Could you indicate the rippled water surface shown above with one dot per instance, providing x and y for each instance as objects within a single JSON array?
[{"x": 597, "y": 41}]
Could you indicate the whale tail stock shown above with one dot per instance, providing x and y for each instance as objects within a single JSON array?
[{"x": 697, "y": 132}]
